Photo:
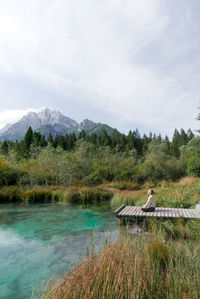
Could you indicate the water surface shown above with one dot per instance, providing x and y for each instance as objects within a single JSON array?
[{"x": 37, "y": 241}]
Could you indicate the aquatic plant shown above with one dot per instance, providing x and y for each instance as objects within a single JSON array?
[{"x": 54, "y": 193}]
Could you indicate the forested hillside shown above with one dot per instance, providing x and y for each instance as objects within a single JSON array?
[{"x": 93, "y": 159}]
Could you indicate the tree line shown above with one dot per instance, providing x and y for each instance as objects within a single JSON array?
[
  {"x": 116, "y": 141},
  {"x": 93, "y": 159}
]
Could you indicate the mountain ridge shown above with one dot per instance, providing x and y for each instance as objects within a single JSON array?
[{"x": 49, "y": 121}]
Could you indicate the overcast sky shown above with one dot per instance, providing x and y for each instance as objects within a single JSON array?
[{"x": 128, "y": 63}]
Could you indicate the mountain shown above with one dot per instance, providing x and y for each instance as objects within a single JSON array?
[
  {"x": 50, "y": 121},
  {"x": 5, "y": 128}
]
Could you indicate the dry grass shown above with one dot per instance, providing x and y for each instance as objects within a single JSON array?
[
  {"x": 188, "y": 181},
  {"x": 184, "y": 194},
  {"x": 139, "y": 268}
]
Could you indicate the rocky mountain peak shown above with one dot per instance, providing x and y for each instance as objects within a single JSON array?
[
  {"x": 86, "y": 123},
  {"x": 46, "y": 121}
]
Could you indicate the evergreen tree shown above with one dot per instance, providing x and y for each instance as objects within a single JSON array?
[
  {"x": 174, "y": 148},
  {"x": 183, "y": 139},
  {"x": 104, "y": 139},
  {"x": 71, "y": 141},
  {"x": 150, "y": 137},
  {"x": 43, "y": 141},
  {"x": 137, "y": 141},
  {"x": 28, "y": 139},
  {"x": 4, "y": 148},
  {"x": 115, "y": 138},
  {"x": 159, "y": 137},
  {"x": 122, "y": 143},
  {"x": 145, "y": 142},
  {"x": 60, "y": 140},
  {"x": 93, "y": 138},
  {"x": 130, "y": 141},
  {"x": 36, "y": 138},
  {"x": 190, "y": 134},
  {"x": 82, "y": 134},
  {"x": 50, "y": 139}
]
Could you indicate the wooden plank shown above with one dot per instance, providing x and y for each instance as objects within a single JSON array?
[
  {"x": 132, "y": 215},
  {"x": 193, "y": 213},
  {"x": 128, "y": 211},
  {"x": 182, "y": 213},
  {"x": 123, "y": 211},
  {"x": 120, "y": 209},
  {"x": 170, "y": 213},
  {"x": 135, "y": 212},
  {"x": 190, "y": 214},
  {"x": 141, "y": 212},
  {"x": 187, "y": 213},
  {"x": 132, "y": 211}
]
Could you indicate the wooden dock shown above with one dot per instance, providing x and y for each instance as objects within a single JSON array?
[{"x": 130, "y": 213}]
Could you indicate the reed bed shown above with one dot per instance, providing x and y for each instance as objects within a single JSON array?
[
  {"x": 144, "y": 266},
  {"x": 54, "y": 193}
]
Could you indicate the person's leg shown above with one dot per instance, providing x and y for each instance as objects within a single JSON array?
[{"x": 148, "y": 209}]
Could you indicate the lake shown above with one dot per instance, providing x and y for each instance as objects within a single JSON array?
[{"x": 37, "y": 241}]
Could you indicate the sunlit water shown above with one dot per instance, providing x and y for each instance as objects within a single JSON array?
[{"x": 37, "y": 241}]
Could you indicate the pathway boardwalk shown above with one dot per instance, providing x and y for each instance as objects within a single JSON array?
[{"x": 131, "y": 213}]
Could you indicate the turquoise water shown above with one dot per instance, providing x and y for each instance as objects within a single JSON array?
[{"x": 37, "y": 241}]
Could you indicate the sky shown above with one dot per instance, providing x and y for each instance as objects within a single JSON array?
[{"x": 127, "y": 63}]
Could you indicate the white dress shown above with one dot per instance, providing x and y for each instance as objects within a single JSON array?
[{"x": 150, "y": 203}]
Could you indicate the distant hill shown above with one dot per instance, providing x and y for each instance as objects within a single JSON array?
[{"x": 50, "y": 121}]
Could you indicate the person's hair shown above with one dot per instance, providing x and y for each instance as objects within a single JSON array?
[{"x": 151, "y": 191}]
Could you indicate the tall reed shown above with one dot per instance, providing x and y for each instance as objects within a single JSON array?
[
  {"x": 54, "y": 193},
  {"x": 142, "y": 267}
]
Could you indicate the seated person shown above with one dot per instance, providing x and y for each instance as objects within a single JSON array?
[{"x": 150, "y": 204}]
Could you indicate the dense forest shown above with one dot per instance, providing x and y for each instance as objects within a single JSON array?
[{"x": 93, "y": 159}]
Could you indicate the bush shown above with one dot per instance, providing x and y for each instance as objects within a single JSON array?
[{"x": 193, "y": 166}]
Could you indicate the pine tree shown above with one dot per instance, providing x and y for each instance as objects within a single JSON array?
[
  {"x": 4, "y": 148},
  {"x": 82, "y": 135},
  {"x": 43, "y": 141},
  {"x": 130, "y": 141},
  {"x": 104, "y": 139},
  {"x": 36, "y": 138},
  {"x": 115, "y": 137},
  {"x": 93, "y": 138},
  {"x": 174, "y": 148},
  {"x": 145, "y": 142},
  {"x": 28, "y": 139},
  {"x": 183, "y": 139},
  {"x": 137, "y": 141},
  {"x": 50, "y": 139},
  {"x": 190, "y": 134}
]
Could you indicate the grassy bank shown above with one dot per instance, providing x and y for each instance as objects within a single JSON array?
[
  {"x": 144, "y": 266},
  {"x": 54, "y": 193},
  {"x": 183, "y": 194}
]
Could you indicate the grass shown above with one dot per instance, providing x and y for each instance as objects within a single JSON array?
[
  {"x": 125, "y": 185},
  {"x": 54, "y": 193},
  {"x": 145, "y": 266},
  {"x": 184, "y": 194},
  {"x": 163, "y": 263}
]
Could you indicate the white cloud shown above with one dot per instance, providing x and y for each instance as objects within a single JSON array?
[
  {"x": 12, "y": 116},
  {"x": 135, "y": 59}
]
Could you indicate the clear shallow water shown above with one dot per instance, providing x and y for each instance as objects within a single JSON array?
[{"x": 37, "y": 241}]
